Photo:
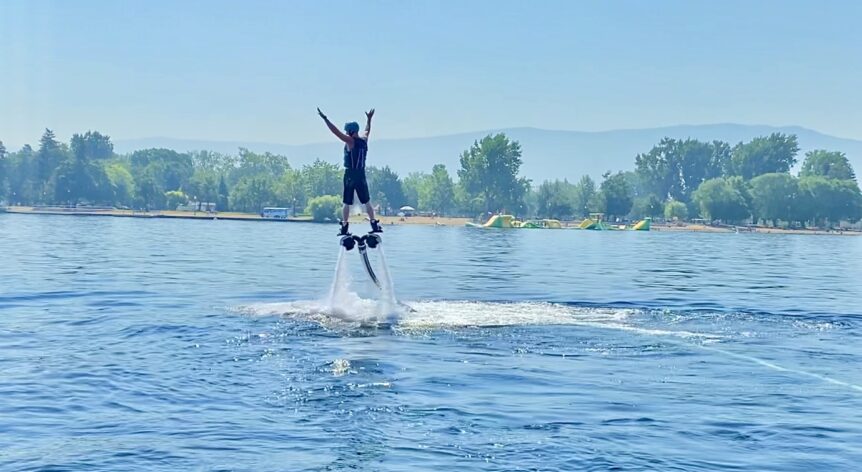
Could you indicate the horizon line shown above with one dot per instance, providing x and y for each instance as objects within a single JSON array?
[
  {"x": 506, "y": 128},
  {"x": 460, "y": 133}
]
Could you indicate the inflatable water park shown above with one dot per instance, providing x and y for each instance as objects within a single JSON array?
[{"x": 595, "y": 222}]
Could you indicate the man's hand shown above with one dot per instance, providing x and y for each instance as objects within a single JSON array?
[
  {"x": 337, "y": 132},
  {"x": 368, "y": 114}
]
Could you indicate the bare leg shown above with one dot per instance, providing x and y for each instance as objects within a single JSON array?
[
  {"x": 345, "y": 213},
  {"x": 370, "y": 210}
]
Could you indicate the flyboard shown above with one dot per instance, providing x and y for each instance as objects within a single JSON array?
[{"x": 362, "y": 244}]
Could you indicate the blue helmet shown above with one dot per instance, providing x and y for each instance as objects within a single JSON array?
[{"x": 352, "y": 127}]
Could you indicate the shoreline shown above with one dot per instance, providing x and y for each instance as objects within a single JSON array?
[
  {"x": 229, "y": 216},
  {"x": 384, "y": 220}
]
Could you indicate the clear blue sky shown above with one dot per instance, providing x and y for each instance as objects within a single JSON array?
[{"x": 256, "y": 70}]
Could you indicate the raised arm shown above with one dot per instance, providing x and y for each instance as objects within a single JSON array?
[
  {"x": 337, "y": 132},
  {"x": 368, "y": 114}
]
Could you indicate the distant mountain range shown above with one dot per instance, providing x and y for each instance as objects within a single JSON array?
[{"x": 547, "y": 154}]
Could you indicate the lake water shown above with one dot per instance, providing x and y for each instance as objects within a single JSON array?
[{"x": 135, "y": 344}]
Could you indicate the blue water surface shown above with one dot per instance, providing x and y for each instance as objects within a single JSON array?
[{"x": 151, "y": 344}]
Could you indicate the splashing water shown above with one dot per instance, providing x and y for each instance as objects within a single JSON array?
[
  {"x": 341, "y": 299},
  {"x": 346, "y": 305},
  {"x": 339, "y": 270},
  {"x": 388, "y": 303}
]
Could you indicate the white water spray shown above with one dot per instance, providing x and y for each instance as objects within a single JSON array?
[
  {"x": 339, "y": 292},
  {"x": 388, "y": 302},
  {"x": 340, "y": 269},
  {"x": 345, "y": 304}
]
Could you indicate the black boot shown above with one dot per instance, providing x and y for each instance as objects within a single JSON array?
[
  {"x": 343, "y": 231},
  {"x": 375, "y": 226}
]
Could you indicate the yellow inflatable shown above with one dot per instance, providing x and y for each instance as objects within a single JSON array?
[
  {"x": 643, "y": 225},
  {"x": 496, "y": 221}
]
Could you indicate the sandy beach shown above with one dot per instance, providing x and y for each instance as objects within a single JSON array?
[
  {"x": 385, "y": 220},
  {"x": 392, "y": 220}
]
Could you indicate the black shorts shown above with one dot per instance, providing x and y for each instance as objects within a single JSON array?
[{"x": 354, "y": 181}]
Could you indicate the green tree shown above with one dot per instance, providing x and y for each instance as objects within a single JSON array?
[
  {"x": 808, "y": 208},
  {"x": 150, "y": 194},
  {"x": 828, "y": 201},
  {"x": 829, "y": 164},
  {"x": 322, "y": 178},
  {"x": 638, "y": 186},
  {"x": 3, "y": 171},
  {"x": 48, "y": 158},
  {"x": 203, "y": 186},
  {"x": 175, "y": 198},
  {"x": 23, "y": 187},
  {"x": 386, "y": 187},
  {"x": 324, "y": 208},
  {"x": 75, "y": 180},
  {"x": 291, "y": 190},
  {"x": 92, "y": 145},
  {"x": 555, "y": 199},
  {"x": 675, "y": 168},
  {"x": 78, "y": 177},
  {"x": 250, "y": 164},
  {"x": 775, "y": 196},
  {"x": 585, "y": 197},
  {"x": 223, "y": 199},
  {"x": 850, "y": 208},
  {"x": 649, "y": 205},
  {"x": 775, "y": 153},
  {"x": 720, "y": 199},
  {"x": 743, "y": 189},
  {"x": 252, "y": 194},
  {"x": 122, "y": 184},
  {"x": 468, "y": 204},
  {"x": 157, "y": 171},
  {"x": 214, "y": 162},
  {"x": 616, "y": 194},
  {"x": 489, "y": 174},
  {"x": 674, "y": 209},
  {"x": 439, "y": 193},
  {"x": 415, "y": 184},
  {"x": 171, "y": 169}
]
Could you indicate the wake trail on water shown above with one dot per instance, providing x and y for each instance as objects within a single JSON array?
[
  {"x": 348, "y": 307},
  {"x": 779, "y": 368},
  {"x": 343, "y": 308},
  {"x": 347, "y": 310}
]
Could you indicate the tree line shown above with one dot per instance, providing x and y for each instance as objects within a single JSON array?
[
  {"x": 677, "y": 178},
  {"x": 88, "y": 171},
  {"x": 688, "y": 178}
]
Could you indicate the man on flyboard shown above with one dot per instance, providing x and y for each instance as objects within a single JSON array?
[{"x": 355, "y": 151}]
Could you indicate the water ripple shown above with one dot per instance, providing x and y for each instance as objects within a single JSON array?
[{"x": 184, "y": 345}]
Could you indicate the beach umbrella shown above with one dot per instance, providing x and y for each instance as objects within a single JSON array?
[{"x": 407, "y": 208}]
